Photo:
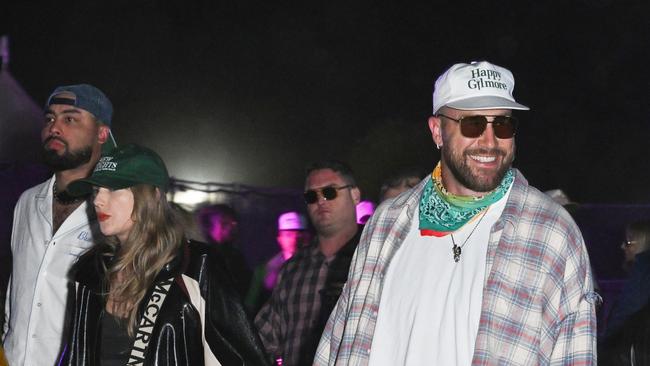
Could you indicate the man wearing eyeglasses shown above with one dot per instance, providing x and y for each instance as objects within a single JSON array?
[
  {"x": 473, "y": 265},
  {"x": 309, "y": 283}
]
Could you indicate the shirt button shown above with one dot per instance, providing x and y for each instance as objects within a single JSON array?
[
  {"x": 33, "y": 335},
  {"x": 39, "y": 304},
  {"x": 374, "y": 313},
  {"x": 368, "y": 351}
]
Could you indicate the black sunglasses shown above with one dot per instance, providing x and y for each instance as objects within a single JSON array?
[
  {"x": 474, "y": 126},
  {"x": 329, "y": 193}
]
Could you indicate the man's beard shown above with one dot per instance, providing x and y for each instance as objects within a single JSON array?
[
  {"x": 457, "y": 165},
  {"x": 69, "y": 159}
]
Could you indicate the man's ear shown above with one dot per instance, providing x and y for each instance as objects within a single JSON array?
[
  {"x": 435, "y": 126},
  {"x": 356, "y": 195},
  {"x": 102, "y": 133}
]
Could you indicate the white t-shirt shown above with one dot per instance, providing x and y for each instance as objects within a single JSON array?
[{"x": 430, "y": 305}]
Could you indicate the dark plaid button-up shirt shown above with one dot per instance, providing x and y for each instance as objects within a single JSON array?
[{"x": 291, "y": 322}]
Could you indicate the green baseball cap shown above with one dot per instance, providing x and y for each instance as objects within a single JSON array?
[{"x": 124, "y": 167}]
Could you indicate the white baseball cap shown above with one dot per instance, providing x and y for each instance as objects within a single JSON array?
[
  {"x": 478, "y": 85},
  {"x": 292, "y": 221}
]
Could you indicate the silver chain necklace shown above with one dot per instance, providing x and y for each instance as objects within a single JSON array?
[{"x": 456, "y": 250}]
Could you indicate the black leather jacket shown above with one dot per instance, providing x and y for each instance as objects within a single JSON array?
[{"x": 176, "y": 337}]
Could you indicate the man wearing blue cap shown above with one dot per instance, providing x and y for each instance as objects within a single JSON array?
[{"x": 51, "y": 228}]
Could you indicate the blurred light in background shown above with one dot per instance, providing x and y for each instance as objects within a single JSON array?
[{"x": 189, "y": 198}]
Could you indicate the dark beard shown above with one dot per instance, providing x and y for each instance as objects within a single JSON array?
[
  {"x": 464, "y": 175},
  {"x": 69, "y": 159}
]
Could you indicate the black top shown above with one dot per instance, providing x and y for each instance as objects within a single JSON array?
[{"x": 116, "y": 343}]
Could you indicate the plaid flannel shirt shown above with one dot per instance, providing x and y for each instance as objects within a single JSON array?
[
  {"x": 538, "y": 298},
  {"x": 286, "y": 321}
]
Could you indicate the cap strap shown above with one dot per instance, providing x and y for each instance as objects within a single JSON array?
[{"x": 67, "y": 101}]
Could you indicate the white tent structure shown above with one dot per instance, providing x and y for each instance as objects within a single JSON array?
[{"x": 20, "y": 117}]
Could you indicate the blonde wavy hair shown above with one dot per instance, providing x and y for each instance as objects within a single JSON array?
[{"x": 154, "y": 240}]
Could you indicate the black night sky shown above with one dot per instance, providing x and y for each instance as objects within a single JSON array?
[{"x": 250, "y": 91}]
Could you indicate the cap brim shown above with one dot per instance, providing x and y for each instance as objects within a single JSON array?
[
  {"x": 486, "y": 102},
  {"x": 83, "y": 187}
]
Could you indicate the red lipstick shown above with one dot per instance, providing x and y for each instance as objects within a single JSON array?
[{"x": 102, "y": 216}]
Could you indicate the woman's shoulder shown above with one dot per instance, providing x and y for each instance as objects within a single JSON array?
[
  {"x": 202, "y": 256},
  {"x": 198, "y": 247},
  {"x": 205, "y": 265}
]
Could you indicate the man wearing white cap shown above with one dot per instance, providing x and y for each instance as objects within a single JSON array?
[
  {"x": 292, "y": 234},
  {"x": 473, "y": 266},
  {"x": 292, "y": 228}
]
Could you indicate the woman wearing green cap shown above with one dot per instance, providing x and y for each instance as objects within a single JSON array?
[{"x": 143, "y": 295}]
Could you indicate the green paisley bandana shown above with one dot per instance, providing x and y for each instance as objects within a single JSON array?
[{"x": 442, "y": 212}]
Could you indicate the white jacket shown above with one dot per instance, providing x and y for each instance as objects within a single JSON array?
[{"x": 38, "y": 287}]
